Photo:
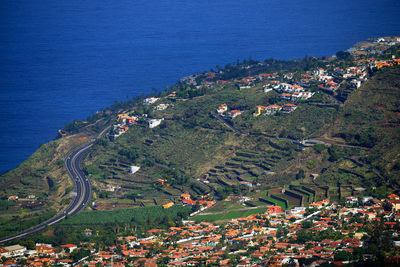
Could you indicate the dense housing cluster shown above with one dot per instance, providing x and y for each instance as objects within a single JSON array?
[{"x": 323, "y": 233}]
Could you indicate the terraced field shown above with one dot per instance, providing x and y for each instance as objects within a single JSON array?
[
  {"x": 253, "y": 166},
  {"x": 296, "y": 195},
  {"x": 145, "y": 184}
]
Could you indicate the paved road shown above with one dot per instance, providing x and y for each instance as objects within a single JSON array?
[{"x": 83, "y": 191}]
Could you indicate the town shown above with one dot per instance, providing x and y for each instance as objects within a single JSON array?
[{"x": 322, "y": 233}]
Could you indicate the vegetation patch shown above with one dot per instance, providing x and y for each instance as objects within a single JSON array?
[{"x": 139, "y": 215}]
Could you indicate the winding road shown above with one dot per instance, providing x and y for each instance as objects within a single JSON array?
[{"x": 82, "y": 192}]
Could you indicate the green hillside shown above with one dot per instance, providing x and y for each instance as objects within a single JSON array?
[
  {"x": 371, "y": 118},
  {"x": 352, "y": 133}
]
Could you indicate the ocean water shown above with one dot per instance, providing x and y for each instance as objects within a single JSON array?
[{"x": 63, "y": 60}]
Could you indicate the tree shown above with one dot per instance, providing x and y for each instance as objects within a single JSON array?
[
  {"x": 307, "y": 224},
  {"x": 195, "y": 207},
  {"x": 303, "y": 236},
  {"x": 131, "y": 153},
  {"x": 149, "y": 161},
  {"x": 333, "y": 153},
  {"x": 387, "y": 206},
  {"x": 343, "y": 255},
  {"x": 300, "y": 175},
  {"x": 343, "y": 55},
  {"x": 165, "y": 220},
  {"x": 78, "y": 254},
  {"x": 291, "y": 262},
  {"x": 319, "y": 148},
  {"x": 101, "y": 142}
]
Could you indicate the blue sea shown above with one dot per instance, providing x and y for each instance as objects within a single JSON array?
[{"x": 64, "y": 60}]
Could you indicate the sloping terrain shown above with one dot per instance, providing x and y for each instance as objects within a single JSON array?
[{"x": 370, "y": 118}]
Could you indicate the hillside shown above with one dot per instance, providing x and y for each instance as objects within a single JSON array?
[
  {"x": 40, "y": 186},
  {"x": 371, "y": 118},
  {"x": 197, "y": 152},
  {"x": 277, "y": 132}
]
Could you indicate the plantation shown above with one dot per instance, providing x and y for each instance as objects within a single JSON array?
[{"x": 136, "y": 215}]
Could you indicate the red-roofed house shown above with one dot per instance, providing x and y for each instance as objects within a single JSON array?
[
  {"x": 287, "y": 108},
  {"x": 272, "y": 109},
  {"x": 69, "y": 248}
]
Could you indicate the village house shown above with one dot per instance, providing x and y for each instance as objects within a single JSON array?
[
  {"x": 285, "y": 97},
  {"x": 222, "y": 108},
  {"x": 274, "y": 209},
  {"x": 306, "y": 95},
  {"x": 150, "y": 100},
  {"x": 356, "y": 83},
  {"x": 288, "y": 76},
  {"x": 154, "y": 122},
  {"x": 161, "y": 107},
  {"x": 267, "y": 88},
  {"x": 319, "y": 72},
  {"x": 234, "y": 113},
  {"x": 44, "y": 249},
  {"x": 245, "y": 183},
  {"x": 191, "y": 80},
  {"x": 186, "y": 199},
  {"x": 12, "y": 251},
  {"x": 12, "y": 198},
  {"x": 168, "y": 205},
  {"x": 119, "y": 130},
  {"x": 134, "y": 169},
  {"x": 68, "y": 248},
  {"x": 305, "y": 82},
  {"x": 172, "y": 95},
  {"x": 329, "y": 85},
  {"x": 263, "y": 76},
  {"x": 110, "y": 188},
  {"x": 88, "y": 232},
  {"x": 272, "y": 109},
  {"x": 284, "y": 87},
  {"x": 351, "y": 200},
  {"x": 259, "y": 110},
  {"x": 395, "y": 201}
]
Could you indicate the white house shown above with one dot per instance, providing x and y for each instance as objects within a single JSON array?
[
  {"x": 234, "y": 113},
  {"x": 12, "y": 251},
  {"x": 284, "y": 87},
  {"x": 356, "y": 83},
  {"x": 306, "y": 95},
  {"x": 365, "y": 199},
  {"x": 319, "y": 72},
  {"x": 68, "y": 248},
  {"x": 287, "y": 108},
  {"x": 134, "y": 169},
  {"x": 154, "y": 122},
  {"x": 272, "y": 109},
  {"x": 222, "y": 108},
  {"x": 150, "y": 100}
]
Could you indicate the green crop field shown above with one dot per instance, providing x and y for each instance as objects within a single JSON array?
[
  {"x": 277, "y": 202},
  {"x": 126, "y": 215}
]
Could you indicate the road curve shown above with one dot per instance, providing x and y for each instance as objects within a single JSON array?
[{"x": 83, "y": 190}]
